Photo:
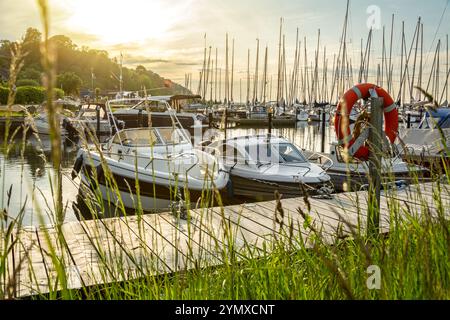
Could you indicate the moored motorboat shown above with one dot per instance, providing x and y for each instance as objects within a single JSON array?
[
  {"x": 260, "y": 165},
  {"x": 152, "y": 111},
  {"x": 348, "y": 173},
  {"x": 159, "y": 162},
  {"x": 428, "y": 144}
]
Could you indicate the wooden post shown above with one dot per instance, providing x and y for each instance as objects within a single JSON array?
[
  {"x": 323, "y": 130},
  {"x": 97, "y": 113},
  {"x": 375, "y": 145},
  {"x": 270, "y": 122},
  {"x": 226, "y": 122},
  {"x": 140, "y": 119},
  {"x": 210, "y": 119}
]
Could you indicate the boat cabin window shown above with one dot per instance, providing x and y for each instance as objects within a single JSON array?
[
  {"x": 155, "y": 106},
  {"x": 289, "y": 153}
]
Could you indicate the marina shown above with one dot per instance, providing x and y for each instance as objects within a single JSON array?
[{"x": 294, "y": 160}]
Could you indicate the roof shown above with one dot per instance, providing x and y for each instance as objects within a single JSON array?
[
  {"x": 439, "y": 113},
  {"x": 174, "y": 97}
]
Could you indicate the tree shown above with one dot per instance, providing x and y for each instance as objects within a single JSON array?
[
  {"x": 31, "y": 46},
  {"x": 30, "y": 73},
  {"x": 140, "y": 69},
  {"x": 27, "y": 82},
  {"x": 70, "y": 82}
]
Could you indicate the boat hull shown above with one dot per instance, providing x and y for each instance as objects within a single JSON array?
[
  {"x": 264, "y": 190},
  {"x": 353, "y": 181},
  {"x": 153, "y": 196}
]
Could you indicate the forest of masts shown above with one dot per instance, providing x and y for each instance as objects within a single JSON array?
[{"x": 311, "y": 80}]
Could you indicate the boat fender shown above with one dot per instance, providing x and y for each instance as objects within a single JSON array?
[
  {"x": 230, "y": 189},
  {"x": 100, "y": 173},
  {"x": 77, "y": 166}
]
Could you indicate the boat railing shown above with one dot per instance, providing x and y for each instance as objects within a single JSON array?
[
  {"x": 316, "y": 158},
  {"x": 153, "y": 158}
]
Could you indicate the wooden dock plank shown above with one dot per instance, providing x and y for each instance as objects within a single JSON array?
[{"x": 101, "y": 251}]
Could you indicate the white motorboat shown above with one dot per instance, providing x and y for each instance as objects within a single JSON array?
[
  {"x": 261, "y": 165},
  {"x": 429, "y": 143},
  {"x": 162, "y": 161},
  {"x": 152, "y": 111},
  {"x": 353, "y": 175},
  {"x": 257, "y": 111},
  {"x": 40, "y": 125},
  {"x": 95, "y": 118}
]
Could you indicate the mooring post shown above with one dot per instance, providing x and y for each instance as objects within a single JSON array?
[
  {"x": 270, "y": 122},
  {"x": 323, "y": 131},
  {"x": 140, "y": 119},
  {"x": 97, "y": 113},
  {"x": 375, "y": 145},
  {"x": 226, "y": 122},
  {"x": 210, "y": 119}
]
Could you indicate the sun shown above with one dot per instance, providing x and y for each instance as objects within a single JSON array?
[{"x": 114, "y": 21}]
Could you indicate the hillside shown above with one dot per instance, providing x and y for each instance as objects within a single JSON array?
[{"x": 75, "y": 66}]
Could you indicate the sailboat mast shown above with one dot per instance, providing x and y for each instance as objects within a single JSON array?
[
  {"x": 215, "y": 79},
  {"x": 248, "y": 76},
  {"x": 232, "y": 71},
  {"x": 279, "y": 63},
  {"x": 264, "y": 77},
  {"x": 255, "y": 82},
  {"x": 226, "y": 70},
  {"x": 390, "y": 70}
]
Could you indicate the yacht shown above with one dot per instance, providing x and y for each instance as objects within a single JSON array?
[
  {"x": 95, "y": 118},
  {"x": 352, "y": 175},
  {"x": 429, "y": 143},
  {"x": 260, "y": 165},
  {"x": 152, "y": 111}
]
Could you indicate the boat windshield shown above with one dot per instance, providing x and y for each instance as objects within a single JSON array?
[
  {"x": 289, "y": 153},
  {"x": 137, "y": 138},
  {"x": 172, "y": 135},
  {"x": 275, "y": 153},
  {"x": 150, "y": 137}
]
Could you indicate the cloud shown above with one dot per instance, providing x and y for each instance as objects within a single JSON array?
[{"x": 144, "y": 60}]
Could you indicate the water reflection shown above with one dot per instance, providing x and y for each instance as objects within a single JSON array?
[{"x": 27, "y": 171}]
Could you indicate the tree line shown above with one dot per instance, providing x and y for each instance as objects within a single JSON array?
[{"x": 81, "y": 69}]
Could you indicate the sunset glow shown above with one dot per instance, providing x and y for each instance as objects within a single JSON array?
[{"x": 114, "y": 22}]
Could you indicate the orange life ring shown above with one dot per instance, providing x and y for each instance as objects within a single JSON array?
[{"x": 362, "y": 91}]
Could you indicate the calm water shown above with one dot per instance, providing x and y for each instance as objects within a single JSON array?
[{"x": 27, "y": 173}]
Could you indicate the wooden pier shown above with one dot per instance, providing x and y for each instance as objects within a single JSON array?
[{"x": 115, "y": 249}]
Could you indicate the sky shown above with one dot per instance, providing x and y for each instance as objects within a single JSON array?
[{"x": 168, "y": 36}]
